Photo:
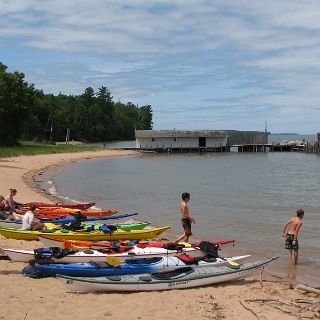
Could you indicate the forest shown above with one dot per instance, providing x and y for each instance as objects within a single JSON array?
[{"x": 27, "y": 113}]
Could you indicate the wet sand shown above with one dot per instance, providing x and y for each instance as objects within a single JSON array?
[{"x": 25, "y": 298}]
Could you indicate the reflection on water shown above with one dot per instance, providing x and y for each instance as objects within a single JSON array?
[{"x": 247, "y": 197}]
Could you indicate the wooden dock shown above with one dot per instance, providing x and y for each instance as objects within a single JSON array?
[
  {"x": 312, "y": 147},
  {"x": 250, "y": 148}
]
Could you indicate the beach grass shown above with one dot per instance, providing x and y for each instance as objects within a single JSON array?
[{"x": 31, "y": 148}]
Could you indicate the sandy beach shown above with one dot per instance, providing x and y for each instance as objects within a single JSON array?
[{"x": 24, "y": 298}]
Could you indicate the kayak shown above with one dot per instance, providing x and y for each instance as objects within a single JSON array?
[
  {"x": 122, "y": 226},
  {"x": 178, "y": 278},
  {"x": 128, "y": 266},
  {"x": 50, "y": 241},
  {"x": 71, "y": 218},
  {"x": 18, "y": 234},
  {"x": 65, "y": 219},
  {"x": 50, "y": 225},
  {"x": 79, "y": 206},
  {"x": 56, "y": 212},
  {"x": 122, "y": 251}
]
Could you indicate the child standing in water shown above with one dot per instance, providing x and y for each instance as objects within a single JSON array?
[{"x": 291, "y": 240}]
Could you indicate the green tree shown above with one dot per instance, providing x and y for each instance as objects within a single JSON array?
[
  {"x": 145, "y": 118},
  {"x": 93, "y": 116},
  {"x": 15, "y": 97},
  {"x": 104, "y": 114}
]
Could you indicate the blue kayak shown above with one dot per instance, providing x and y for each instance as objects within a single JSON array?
[
  {"x": 93, "y": 269},
  {"x": 68, "y": 219},
  {"x": 115, "y": 267}
]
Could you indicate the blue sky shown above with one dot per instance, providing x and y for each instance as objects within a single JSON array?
[{"x": 200, "y": 64}]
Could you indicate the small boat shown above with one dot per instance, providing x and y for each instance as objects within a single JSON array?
[
  {"x": 79, "y": 206},
  {"x": 122, "y": 226},
  {"x": 49, "y": 225},
  {"x": 50, "y": 241},
  {"x": 99, "y": 219},
  {"x": 97, "y": 235},
  {"x": 57, "y": 212},
  {"x": 66, "y": 219},
  {"x": 178, "y": 278},
  {"x": 80, "y": 255},
  {"x": 128, "y": 266}
]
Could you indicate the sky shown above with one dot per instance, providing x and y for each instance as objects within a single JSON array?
[{"x": 229, "y": 64}]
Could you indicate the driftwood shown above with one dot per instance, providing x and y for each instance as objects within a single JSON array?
[
  {"x": 279, "y": 308},
  {"x": 296, "y": 308},
  {"x": 268, "y": 300},
  {"x": 307, "y": 289},
  {"x": 261, "y": 276},
  {"x": 272, "y": 303},
  {"x": 250, "y": 310},
  {"x": 312, "y": 306}
]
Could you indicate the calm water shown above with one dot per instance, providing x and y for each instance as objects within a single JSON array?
[{"x": 242, "y": 196}]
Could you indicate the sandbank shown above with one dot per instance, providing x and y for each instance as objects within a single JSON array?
[{"x": 24, "y": 298}]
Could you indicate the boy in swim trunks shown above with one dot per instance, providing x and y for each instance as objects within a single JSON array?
[
  {"x": 186, "y": 219},
  {"x": 291, "y": 240}
]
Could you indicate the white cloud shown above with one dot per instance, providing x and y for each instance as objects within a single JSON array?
[{"x": 214, "y": 56}]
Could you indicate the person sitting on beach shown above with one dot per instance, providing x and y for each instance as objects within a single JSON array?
[
  {"x": 3, "y": 214},
  {"x": 291, "y": 240},
  {"x": 186, "y": 219},
  {"x": 12, "y": 206},
  {"x": 29, "y": 222},
  {"x": 2, "y": 202}
]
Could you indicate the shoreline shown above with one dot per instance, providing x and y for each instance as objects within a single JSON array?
[
  {"x": 222, "y": 301},
  {"x": 23, "y": 170}
]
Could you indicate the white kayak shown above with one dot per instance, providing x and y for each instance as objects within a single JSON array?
[
  {"x": 95, "y": 255},
  {"x": 178, "y": 278}
]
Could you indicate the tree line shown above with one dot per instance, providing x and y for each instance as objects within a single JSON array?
[{"x": 30, "y": 114}]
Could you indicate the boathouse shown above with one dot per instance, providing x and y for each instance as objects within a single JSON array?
[
  {"x": 201, "y": 140},
  {"x": 180, "y": 139}
]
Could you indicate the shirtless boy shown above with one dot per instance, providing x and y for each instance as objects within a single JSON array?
[
  {"x": 186, "y": 219},
  {"x": 291, "y": 243}
]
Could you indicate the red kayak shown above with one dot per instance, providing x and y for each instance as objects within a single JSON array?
[
  {"x": 51, "y": 213},
  {"x": 99, "y": 245},
  {"x": 79, "y": 206}
]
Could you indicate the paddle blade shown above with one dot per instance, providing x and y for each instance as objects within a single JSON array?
[
  {"x": 186, "y": 244},
  {"x": 114, "y": 261},
  {"x": 80, "y": 248},
  {"x": 50, "y": 225},
  {"x": 233, "y": 263}
]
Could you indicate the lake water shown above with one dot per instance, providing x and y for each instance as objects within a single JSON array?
[{"x": 242, "y": 196}]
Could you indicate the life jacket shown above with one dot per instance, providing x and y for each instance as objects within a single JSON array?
[
  {"x": 187, "y": 259},
  {"x": 209, "y": 248},
  {"x": 173, "y": 246}
]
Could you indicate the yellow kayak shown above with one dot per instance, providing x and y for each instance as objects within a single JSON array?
[{"x": 19, "y": 234}]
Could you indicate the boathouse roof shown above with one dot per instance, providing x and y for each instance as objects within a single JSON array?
[{"x": 180, "y": 133}]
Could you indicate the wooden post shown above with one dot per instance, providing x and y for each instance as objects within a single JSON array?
[{"x": 68, "y": 136}]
